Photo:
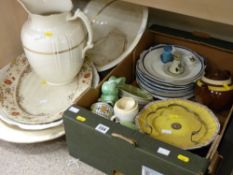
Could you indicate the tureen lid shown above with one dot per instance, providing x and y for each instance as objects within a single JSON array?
[{"x": 217, "y": 77}]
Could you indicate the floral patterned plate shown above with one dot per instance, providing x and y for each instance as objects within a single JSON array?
[{"x": 30, "y": 103}]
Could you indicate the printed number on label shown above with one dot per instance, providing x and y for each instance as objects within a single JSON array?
[{"x": 102, "y": 128}]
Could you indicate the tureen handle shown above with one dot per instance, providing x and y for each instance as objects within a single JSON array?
[{"x": 79, "y": 14}]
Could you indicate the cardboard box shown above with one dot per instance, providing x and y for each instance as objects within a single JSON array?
[{"x": 111, "y": 147}]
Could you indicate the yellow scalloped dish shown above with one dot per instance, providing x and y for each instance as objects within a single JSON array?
[{"x": 182, "y": 123}]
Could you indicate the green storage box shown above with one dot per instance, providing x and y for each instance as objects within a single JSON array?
[{"x": 111, "y": 147}]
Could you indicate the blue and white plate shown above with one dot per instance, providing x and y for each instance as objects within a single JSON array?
[
  {"x": 154, "y": 76},
  {"x": 150, "y": 63}
]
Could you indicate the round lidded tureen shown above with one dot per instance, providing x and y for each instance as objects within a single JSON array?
[{"x": 215, "y": 89}]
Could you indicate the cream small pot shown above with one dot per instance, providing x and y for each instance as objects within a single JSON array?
[
  {"x": 54, "y": 41},
  {"x": 125, "y": 110}
]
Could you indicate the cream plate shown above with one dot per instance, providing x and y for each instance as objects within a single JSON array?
[
  {"x": 182, "y": 123},
  {"x": 31, "y": 103},
  {"x": 118, "y": 26},
  {"x": 13, "y": 134}
]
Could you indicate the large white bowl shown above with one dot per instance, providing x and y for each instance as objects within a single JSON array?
[{"x": 118, "y": 26}]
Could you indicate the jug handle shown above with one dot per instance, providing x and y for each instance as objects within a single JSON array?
[{"x": 79, "y": 14}]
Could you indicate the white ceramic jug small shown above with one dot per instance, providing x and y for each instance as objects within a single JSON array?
[{"x": 54, "y": 41}]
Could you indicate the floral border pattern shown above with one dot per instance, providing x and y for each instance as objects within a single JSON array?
[{"x": 9, "y": 101}]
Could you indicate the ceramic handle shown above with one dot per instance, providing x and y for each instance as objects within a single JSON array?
[
  {"x": 115, "y": 119},
  {"x": 201, "y": 84},
  {"x": 79, "y": 14}
]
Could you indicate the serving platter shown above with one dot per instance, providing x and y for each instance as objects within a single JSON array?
[
  {"x": 13, "y": 134},
  {"x": 179, "y": 122},
  {"x": 30, "y": 103}
]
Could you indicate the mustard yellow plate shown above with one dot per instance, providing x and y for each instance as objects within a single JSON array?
[{"x": 179, "y": 122}]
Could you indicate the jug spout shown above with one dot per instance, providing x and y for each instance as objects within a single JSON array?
[{"x": 40, "y": 7}]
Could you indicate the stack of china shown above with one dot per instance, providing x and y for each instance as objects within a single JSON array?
[
  {"x": 54, "y": 43},
  {"x": 169, "y": 71},
  {"x": 30, "y": 108}
]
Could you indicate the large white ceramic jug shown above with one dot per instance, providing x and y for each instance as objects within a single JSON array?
[{"x": 54, "y": 41}]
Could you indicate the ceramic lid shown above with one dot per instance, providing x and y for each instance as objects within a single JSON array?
[{"x": 217, "y": 77}]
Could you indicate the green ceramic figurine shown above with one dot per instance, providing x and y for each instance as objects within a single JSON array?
[{"x": 110, "y": 89}]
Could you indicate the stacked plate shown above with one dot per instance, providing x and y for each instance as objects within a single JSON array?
[
  {"x": 31, "y": 110},
  {"x": 157, "y": 78}
]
